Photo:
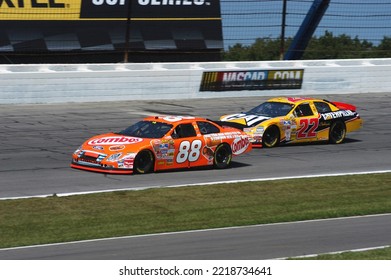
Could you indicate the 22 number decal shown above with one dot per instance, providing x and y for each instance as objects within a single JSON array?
[
  {"x": 307, "y": 128},
  {"x": 189, "y": 151}
]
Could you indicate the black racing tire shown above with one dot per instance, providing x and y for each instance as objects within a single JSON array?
[
  {"x": 337, "y": 132},
  {"x": 271, "y": 137},
  {"x": 222, "y": 156},
  {"x": 144, "y": 162}
]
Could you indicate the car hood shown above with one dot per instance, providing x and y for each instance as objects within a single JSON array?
[
  {"x": 111, "y": 143},
  {"x": 245, "y": 119}
]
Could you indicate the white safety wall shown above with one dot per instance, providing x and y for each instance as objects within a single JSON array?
[{"x": 58, "y": 83}]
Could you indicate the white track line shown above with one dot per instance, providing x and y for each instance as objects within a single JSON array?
[
  {"x": 198, "y": 231},
  {"x": 337, "y": 252},
  {"x": 201, "y": 184}
]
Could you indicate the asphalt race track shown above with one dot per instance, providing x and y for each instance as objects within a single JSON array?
[
  {"x": 37, "y": 142},
  {"x": 244, "y": 243}
]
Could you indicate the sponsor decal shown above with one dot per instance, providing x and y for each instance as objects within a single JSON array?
[
  {"x": 240, "y": 145},
  {"x": 119, "y": 140},
  {"x": 252, "y": 80},
  {"x": 215, "y": 138},
  {"x": 250, "y": 120},
  {"x": 164, "y": 149},
  {"x": 176, "y": 118},
  {"x": 337, "y": 114},
  {"x": 114, "y": 157},
  {"x": 127, "y": 161},
  {"x": 295, "y": 99},
  {"x": 116, "y": 148},
  {"x": 98, "y": 148}
]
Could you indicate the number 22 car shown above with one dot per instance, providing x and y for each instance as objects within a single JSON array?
[
  {"x": 286, "y": 120},
  {"x": 161, "y": 143}
]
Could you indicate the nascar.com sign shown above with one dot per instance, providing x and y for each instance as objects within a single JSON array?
[{"x": 252, "y": 80}]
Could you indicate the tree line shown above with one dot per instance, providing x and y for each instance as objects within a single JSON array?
[{"x": 326, "y": 46}]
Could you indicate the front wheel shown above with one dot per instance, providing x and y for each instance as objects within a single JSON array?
[
  {"x": 271, "y": 137},
  {"x": 144, "y": 162},
  {"x": 337, "y": 133},
  {"x": 222, "y": 156}
]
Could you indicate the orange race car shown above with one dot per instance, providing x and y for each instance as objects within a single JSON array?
[{"x": 161, "y": 143}]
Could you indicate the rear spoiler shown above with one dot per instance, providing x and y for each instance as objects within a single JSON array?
[{"x": 344, "y": 106}]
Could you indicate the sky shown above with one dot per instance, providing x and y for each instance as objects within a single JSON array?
[{"x": 246, "y": 20}]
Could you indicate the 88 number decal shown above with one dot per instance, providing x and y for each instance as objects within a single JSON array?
[{"x": 189, "y": 151}]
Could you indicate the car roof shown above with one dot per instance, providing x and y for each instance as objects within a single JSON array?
[
  {"x": 173, "y": 119},
  {"x": 293, "y": 100}
]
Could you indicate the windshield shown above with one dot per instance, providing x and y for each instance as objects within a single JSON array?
[
  {"x": 147, "y": 129},
  {"x": 271, "y": 109}
]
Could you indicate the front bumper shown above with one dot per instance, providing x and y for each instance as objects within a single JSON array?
[{"x": 100, "y": 169}]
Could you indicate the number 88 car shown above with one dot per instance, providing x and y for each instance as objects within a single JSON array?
[
  {"x": 161, "y": 143},
  {"x": 285, "y": 120}
]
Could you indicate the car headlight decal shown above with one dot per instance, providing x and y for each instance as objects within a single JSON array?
[{"x": 114, "y": 157}]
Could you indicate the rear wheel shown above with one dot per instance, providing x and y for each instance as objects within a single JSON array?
[
  {"x": 222, "y": 156},
  {"x": 271, "y": 137},
  {"x": 337, "y": 132},
  {"x": 144, "y": 162}
]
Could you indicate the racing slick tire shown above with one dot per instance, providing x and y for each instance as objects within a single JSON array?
[
  {"x": 144, "y": 162},
  {"x": 271, "y": 137},
  {"x": 337, "y": 132},
  {"x": 222, "y": 156}
]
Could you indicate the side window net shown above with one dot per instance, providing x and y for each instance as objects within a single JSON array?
[
  {"x": 322, "y": 107},
  {"x": 184, "y": 130},
  {"x": 207, "y": 128},
  {"x": 303, "y": 110}
]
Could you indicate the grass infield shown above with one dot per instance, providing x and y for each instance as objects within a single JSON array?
[{"x": 60, "y": 219}]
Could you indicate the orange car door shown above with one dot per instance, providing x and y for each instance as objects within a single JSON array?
[{"x": 188, "y": 146}]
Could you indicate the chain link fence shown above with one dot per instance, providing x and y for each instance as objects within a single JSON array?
[{"x": 244, "y": 21}]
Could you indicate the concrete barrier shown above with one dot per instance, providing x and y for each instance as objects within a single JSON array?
[{"x": 59, "y": 83}]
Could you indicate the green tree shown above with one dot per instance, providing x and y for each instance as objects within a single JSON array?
[
  {"x": 340, "y": 47},
  {"x": 237, "y": 52},
  {"x": 384, "y": 48},
  {"x": 261, "y": 49},
  {"x": 265, "y": 49},
  {"x": 326, "y": 46}
]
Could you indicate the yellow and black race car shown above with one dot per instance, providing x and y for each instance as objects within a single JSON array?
[{"x": 295, "y": 120}]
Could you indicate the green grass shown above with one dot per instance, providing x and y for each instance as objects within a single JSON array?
[{"x": 60, "y": 219}]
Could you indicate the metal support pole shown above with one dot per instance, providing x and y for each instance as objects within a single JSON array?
[
  {"x": 127, "y": 35},
  {"x": 282, "y": 39}
]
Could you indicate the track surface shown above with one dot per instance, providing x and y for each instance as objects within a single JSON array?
[
  {"x": 37, "y": 141},
  {"x": 247, "y": 243}
]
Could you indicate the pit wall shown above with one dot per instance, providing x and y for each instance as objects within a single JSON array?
[{"x": 59, "y": 83}]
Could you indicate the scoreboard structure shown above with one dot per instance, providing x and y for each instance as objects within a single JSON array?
[{"x": 110, "y": 30}]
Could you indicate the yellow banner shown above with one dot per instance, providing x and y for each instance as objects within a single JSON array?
[{"x": 40, "y": 9}]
